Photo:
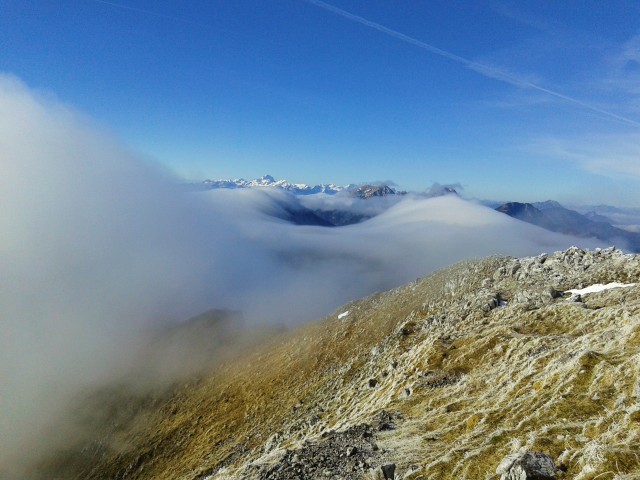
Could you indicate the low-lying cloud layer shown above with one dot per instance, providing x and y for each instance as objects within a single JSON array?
[{"x": 99, "y": 246}]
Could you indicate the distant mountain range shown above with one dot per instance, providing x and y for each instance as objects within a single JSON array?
[
  {"x": 269, "y": 181},
  {"x": 622, "y": 217},
  {"x": 553, "y": 216},
  {"x": 601, "y": 222}
]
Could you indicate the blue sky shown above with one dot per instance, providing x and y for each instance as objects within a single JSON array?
[{"x": 514, "y": 100}]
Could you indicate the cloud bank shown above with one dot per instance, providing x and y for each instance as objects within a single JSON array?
[{"x": 99, "y": 246}]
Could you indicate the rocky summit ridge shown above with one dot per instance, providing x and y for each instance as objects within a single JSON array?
[{"x": 484, "y": 370}]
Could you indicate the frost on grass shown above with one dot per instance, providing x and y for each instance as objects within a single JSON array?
[{"x": 462, "y": 386}]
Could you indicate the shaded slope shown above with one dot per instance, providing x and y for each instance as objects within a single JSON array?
[
  {"x": 523, "y": 211},
  {"x": 554, "y": 217},
  {"x": 466, "y": 382}
]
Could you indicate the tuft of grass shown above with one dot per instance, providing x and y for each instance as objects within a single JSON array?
[{"x": 469, "y": 385}]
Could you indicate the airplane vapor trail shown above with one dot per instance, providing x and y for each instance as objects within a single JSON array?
[{"x": 482, "y": 69}]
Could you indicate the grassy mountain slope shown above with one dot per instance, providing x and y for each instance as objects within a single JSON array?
[{"x": 443, "y": 377}]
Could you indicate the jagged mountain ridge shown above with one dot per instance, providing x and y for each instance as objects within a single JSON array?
[
  {"x": 370, "y": 191},
  {"x": 554, "y": 217},
  {"x": 443, "y": 377},
  {"x": 363, "y": 191},
  {"x": 269, "y": 182}
]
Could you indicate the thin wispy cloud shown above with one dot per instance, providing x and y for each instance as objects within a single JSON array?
[
  {"x": 631, "y": 51},
  {"x": 516, "y": 14},
  {"x": 623, "y": 75},
  {"x": 483, "y": 69},
  {"x": 611, "y": 155}
]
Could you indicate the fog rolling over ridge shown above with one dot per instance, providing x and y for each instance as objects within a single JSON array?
[{"x": 99, "y": 245}]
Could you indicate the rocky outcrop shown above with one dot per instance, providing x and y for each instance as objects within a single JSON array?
[
  {"x": 335, "y": 455},
  {"x": 369, "y": 191},
  {"x": 527, "y": 466}
]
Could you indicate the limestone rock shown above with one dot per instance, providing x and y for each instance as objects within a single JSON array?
[
  {"x": 346, "y": 455},
  {"x": 527, "y": 466},
  {"x": 575, "y": 297}
]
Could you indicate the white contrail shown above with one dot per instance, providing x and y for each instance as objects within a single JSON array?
[{"x": 485, "y": 70}]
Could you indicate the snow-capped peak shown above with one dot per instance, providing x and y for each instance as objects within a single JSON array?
[{"x": 269, "y": 181}]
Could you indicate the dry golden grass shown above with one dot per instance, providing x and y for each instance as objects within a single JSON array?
[{"x": 471, "y": 385}]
